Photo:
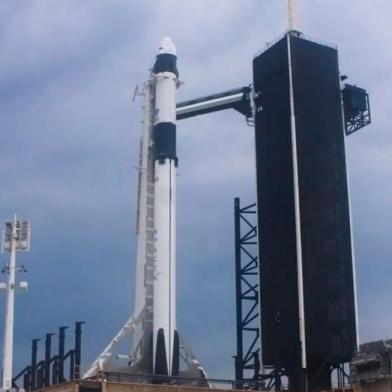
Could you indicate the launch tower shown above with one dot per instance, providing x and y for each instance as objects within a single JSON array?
[{"x": 307, "y": 281}]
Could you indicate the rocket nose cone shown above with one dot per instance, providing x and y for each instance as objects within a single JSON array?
[{"x": 167, "y": 46}]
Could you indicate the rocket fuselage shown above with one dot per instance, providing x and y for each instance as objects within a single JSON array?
[
  {"x": 165, "y": 336},
  {"x": 156, "y": 345}
]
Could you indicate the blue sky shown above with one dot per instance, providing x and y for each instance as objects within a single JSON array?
[{"x": 70, "y": 135}]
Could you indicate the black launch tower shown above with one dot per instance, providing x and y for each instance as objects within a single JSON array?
[
  {"x": 307, "y": 283},
  {"x": 305, "y": 291}
]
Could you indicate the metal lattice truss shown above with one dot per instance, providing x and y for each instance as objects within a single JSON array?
[{"x": 247, "y": 287}]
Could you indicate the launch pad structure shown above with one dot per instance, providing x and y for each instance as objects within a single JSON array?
[
  {"x": 307, "y": 182},
  {"x": 294, "y": 254},
  {"x": 288, "y": 332}
]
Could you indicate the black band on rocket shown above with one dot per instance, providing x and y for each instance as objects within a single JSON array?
[
  {"x": 165, "y": 141},
  {"x": 166, "y": 62}
]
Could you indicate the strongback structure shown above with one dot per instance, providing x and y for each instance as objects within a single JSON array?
[{"x": 307, "y": 275}]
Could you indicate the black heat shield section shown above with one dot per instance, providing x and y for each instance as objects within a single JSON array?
[
  {"x": 324, "y": 204},
  {"x": 276, "y": 214},
  {"x": 165, "y": 141}
]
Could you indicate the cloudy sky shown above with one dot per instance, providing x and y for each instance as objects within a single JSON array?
[{"x": 69, "y": 144}]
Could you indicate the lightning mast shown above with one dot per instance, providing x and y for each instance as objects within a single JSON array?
[
  {"x": 293, "y": 15},
  {"x": 16, "y": 237}
]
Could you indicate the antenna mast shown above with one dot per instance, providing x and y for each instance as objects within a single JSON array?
[{"x": 293, "y": 15}]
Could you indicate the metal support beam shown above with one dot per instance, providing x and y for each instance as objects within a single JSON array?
[
  {"x": 55, "y": 370},
  {"x": 238, "y": 99},
  {"x": 60, "y": 362},
  {"x": 247, "y": 360},
  {"x": 34, "y": 350},
  {"x": 107, "y": 353},
  {"x": 78, "y": 348},
  {"x": 48, "y": 346},
  {"x": 72, "y": 365}
]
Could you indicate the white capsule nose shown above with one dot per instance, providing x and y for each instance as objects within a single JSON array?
[{"x": 167, "y": 46}]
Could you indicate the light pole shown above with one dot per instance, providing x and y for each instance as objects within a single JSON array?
[{"x": 16, "y": 237}]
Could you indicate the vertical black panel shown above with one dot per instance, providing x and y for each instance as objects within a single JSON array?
[
  {"x": 324, "y": 209},
  {"x": 324, "y": 204},
  {"x": 276, "y": 214}
]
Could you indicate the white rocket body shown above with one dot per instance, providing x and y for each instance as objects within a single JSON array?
[
  {"x": 156, "y": 339},
  {"x": 165, "y": 337},
  {"x": 164, "y": 320},
  {"x": 156, "y": 346}
]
